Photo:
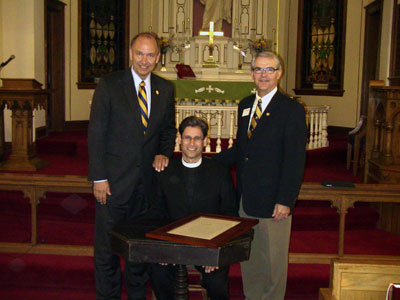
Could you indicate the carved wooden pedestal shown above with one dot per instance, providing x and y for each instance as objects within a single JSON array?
[
  {"x": 383, "y": 148},
  {"x": 22, "y": 96},
  {"x": 129, "y": 241}
]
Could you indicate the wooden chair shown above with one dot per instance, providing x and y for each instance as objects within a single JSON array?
[{"x": 355, "y": 144}]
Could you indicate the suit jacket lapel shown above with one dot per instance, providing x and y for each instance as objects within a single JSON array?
[
  {"x": 131, "y": 96},
  {"x": 246, "y": 119},
  {"x": 155, "y": 103},
  {"x": 271, "y": 109}
]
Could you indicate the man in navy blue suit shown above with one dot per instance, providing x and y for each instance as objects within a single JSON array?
[
  {"x": 127, "y": 138},
  {"x": 270, "y": 156}
]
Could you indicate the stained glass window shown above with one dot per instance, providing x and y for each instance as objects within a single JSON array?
[
  {"x": 320, "y": 47},
  {"x": 103, "y": 44}
]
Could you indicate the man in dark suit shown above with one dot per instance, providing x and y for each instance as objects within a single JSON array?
[
  {"x": 193, "y": 183},
  {"x": 270, "y": 156},
  {"x": 131, "y": 130}
]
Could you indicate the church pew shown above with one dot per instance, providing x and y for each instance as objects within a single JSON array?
[{"x": 360, "y": 279}]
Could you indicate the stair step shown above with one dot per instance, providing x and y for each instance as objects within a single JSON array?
[
  {"x": 48, "y": 277},
  {"x": 362, "y": 241},
  {"x": 326, "y": 218}
]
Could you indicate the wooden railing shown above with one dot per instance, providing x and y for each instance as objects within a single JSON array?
[
  {"x": 35, "y": 187},
  {"x": 343, "y": 199},
  {"x": 223, "y": 123},
  {"x": 317, "y": 121}
]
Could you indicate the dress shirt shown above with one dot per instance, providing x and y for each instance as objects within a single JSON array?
[
  {"x": 265, "y": 101},
  {"x": 147, "y": 81}
]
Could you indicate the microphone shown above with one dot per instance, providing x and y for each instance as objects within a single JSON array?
[{"x": 7, "y": 61}]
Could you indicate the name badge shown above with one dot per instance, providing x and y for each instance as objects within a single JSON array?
[{"x": 246, "y": 112}]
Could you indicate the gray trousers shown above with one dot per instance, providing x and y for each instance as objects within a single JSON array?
[{"x": 264, "y": 274}]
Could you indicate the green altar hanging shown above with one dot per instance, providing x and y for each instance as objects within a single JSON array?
[{"x": 212, "y": 91}]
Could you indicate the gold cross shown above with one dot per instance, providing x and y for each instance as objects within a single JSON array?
[{"x": 211, "y": 34}]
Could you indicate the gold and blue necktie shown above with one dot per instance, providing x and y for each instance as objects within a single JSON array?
[
  {"x": 256, "y": 117},
  {"x": 143, "y": 105}
]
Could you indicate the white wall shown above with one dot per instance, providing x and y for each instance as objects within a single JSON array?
[{"x": 22, "y": 34}]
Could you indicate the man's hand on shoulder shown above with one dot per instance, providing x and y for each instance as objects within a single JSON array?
[
  {"x": 101, "y": 190},
  {"x": 281, "y": 212},
  {"x": 160, "y": 162}
]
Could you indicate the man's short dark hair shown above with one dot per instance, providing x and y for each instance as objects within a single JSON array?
[
  {"x": 193, "y": 121},
  {"x": 149, "y": 35}
]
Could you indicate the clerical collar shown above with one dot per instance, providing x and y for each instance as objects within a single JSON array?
[{"x": 191, "y": 165}]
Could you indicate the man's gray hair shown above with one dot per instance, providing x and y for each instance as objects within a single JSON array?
[{"x": 267, "y": 54}]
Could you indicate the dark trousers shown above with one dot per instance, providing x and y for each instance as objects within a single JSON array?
[
  {"x": 163, "y": 282},
  {"x": 107, "y": 265}
]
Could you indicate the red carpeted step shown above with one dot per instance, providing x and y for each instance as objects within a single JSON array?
[
  {"x": 45, "y": 277},
  {"x": 70, "y": 143},
  {"x": 46, "y": 271},
  {"x": 69, "y": 233},
  {"x": 48, "y": 277},
  {"x": 308, "y": 217},
  {"x": 304, "y": 281},
  {"x": 368, "y": 242}
]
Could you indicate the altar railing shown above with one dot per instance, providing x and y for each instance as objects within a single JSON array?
[
  {"x": 317, "y": 122},
  {"x": 222, "y": 120}
]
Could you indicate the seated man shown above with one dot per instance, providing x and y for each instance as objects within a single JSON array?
[{"x": 190, "y": 184}]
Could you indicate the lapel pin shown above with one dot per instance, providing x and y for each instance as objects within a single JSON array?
[
  {"x": 157, "y": 92},
  {"x": 267, "y": 113}
]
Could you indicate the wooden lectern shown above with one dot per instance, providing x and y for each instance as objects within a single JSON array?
[
  {"x": 22, "y": 96},
  {"x": 129, "y": 241}
]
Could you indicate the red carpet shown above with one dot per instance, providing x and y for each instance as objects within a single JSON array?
[{"x": 68, "y": 219}]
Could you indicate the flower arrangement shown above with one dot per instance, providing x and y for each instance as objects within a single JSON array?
[
  {"x": 165, "y": 44},
  {"x": 260, "y": 45}
]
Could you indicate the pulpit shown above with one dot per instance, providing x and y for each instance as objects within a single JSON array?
[
  {"x": 22, "y": 96},
  {"x": 383, "y": 148}
]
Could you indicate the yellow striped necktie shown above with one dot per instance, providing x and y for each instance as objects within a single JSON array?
[
  {"x": 143, "y": 105},
  {"x": 256, "y": 117}
]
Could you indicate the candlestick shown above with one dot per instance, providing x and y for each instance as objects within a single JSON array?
[
  {"x": 183, "y": 32},
  {"x": 235, "y": 29},
  {"x": 240, "y": 34}
]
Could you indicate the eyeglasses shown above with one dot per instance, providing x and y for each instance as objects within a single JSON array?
[
  {"x": 188, "y": 139},
  {"x": 268, "y": 70}
]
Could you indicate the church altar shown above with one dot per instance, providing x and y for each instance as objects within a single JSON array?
[
  {"x": 218, "y": 45},
  {"x": 197, "y": 33}
]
